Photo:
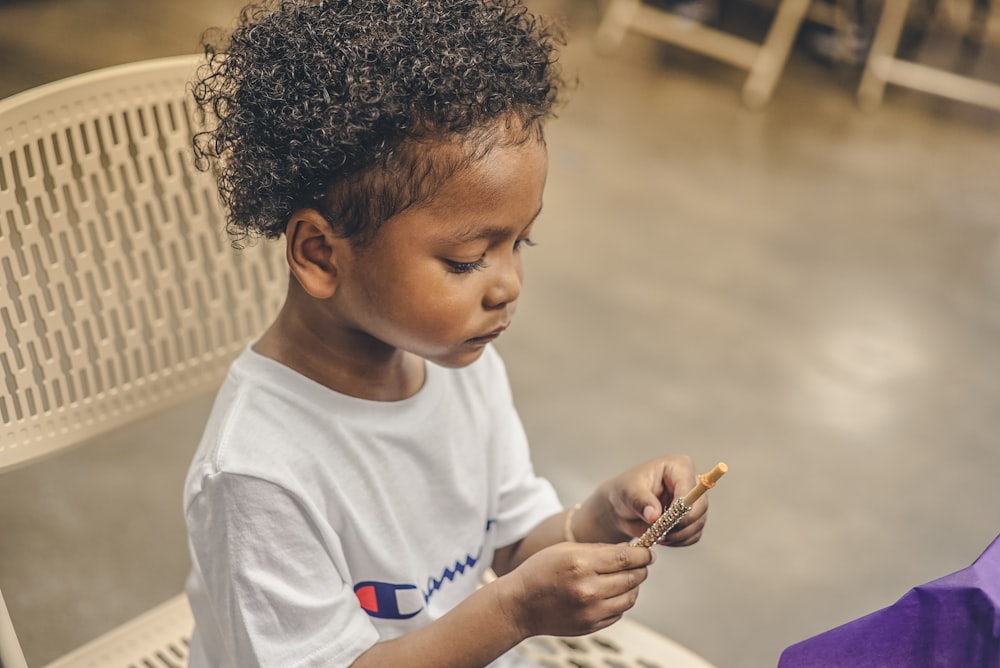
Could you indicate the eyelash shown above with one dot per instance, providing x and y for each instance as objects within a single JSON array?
[
  {"x": 465, "y": 267},
  {"x": 469, "y": 267}
]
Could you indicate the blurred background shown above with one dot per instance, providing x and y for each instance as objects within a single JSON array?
[{"x": 807, "y": 291}]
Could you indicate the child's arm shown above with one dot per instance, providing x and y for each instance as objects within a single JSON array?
[{"x": 567, "y": 590}]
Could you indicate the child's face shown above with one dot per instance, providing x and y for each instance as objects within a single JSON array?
[{"x": 441, "y": 279}]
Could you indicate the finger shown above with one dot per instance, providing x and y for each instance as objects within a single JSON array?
[
  {"x": 678, "y": 477},
  {"x": 602, "y": 623},
  {"x": 607, "y": 621},
  {"x": 621, "y": 557},
  {"x": 636, "y": 528},
  {"x": 612, "y": 585},
  {"x": 685, "y": 535},
  {"x": 616, "y": 584},
  {"x": 689, "y": 519},
  {"x": 657, "y": 482},
  {"x": 672, "y": 478},
  {"x": 606, "y": 612},
  {"x": 695, "y": 514},
  {"x": 698, "y": 513},
  {"x": 619, "y": 605},
  {"x": 682, "y": 539},
  {"x": 638, "y": 503}
]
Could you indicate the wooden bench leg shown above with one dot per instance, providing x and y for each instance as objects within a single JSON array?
[
  {"x": 617, "y": 19},
  {"x": 883, "y": 50},
  {"x": 773, "y": 53}
]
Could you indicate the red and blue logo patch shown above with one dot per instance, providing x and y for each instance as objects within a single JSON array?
[{"x": 389, "y": 601}]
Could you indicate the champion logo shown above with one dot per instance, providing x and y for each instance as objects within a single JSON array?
[
  {"x": 403, "y": 601},
  {"x": 389, "y": 601},
  {"x": 449, "y": 574}
]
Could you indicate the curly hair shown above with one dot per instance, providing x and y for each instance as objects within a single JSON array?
[{"x": 339, "y": 104}]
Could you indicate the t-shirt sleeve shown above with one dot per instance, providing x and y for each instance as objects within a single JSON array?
[
  {"x": 278, "y": 596},
  {"x": 525, "y": 498}
]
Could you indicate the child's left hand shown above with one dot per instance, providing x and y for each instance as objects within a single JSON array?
[{"x": 625, "y": 506}]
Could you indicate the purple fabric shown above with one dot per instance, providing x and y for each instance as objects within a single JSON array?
[{"x": 953, "y": 622}]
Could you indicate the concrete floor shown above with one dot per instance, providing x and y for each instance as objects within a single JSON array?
[{"x": 807, "y": 292}]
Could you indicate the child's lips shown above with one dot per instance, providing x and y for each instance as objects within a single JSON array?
[{"x": 486, "y": 338}]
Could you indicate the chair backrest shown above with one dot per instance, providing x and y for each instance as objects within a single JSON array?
[{"x": 120, "y": 294}]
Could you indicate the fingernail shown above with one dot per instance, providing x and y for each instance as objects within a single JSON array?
[
  {"x": 649, "y": 514},
  {"x": 652, "y": 556}
]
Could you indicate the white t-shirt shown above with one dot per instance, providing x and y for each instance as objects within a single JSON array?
[{"x": 320, "y": 524}]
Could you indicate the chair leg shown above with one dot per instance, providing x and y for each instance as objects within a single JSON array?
[
  {"x": 972, "y": 40},
  {"x": 10, "y": 649},
  {"x": 617, "y": 19},
  {"x": 773, "y": 53},
  {"x": 884, "y": 46}
]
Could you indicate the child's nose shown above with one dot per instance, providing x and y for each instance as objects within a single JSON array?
[{"x": 505, "y": 285}]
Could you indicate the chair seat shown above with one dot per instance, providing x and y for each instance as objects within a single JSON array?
[
  {"x": 160, "y": 637},
  {"x": 157, "y": 639},
  {"x": 625, "y": 644}
]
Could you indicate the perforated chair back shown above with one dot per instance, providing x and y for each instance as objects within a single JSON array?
[
  {"x": 120, "y": 294},
  {"x": 119, "y": 291}
]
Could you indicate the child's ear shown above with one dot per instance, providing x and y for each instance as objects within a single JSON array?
[{"x": 313, "y": 250}]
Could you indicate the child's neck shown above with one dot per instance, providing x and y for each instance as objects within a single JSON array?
[{"x": 344, "y": 361}]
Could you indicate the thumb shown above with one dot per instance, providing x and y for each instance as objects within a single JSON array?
[
  {"x": 635, "y": 505},
  {"x": 647, "y": 506}
]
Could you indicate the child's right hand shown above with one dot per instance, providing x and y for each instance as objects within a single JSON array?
[{"x": 572, "y": 589}]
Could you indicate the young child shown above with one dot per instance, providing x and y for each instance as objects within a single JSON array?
[{"x": 364, "y": 465}]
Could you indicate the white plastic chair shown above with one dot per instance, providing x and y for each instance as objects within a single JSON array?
[
  {"x": 120, "y": 297},
  {"x": 884, "y": 66}
]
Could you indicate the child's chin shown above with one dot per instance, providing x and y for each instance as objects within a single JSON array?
[{"x": 459, "y": 359}]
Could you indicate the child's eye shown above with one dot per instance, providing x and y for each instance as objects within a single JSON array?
[
  {"x": 526, "y": 242},
  {"x": 465, "y": 267}
]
